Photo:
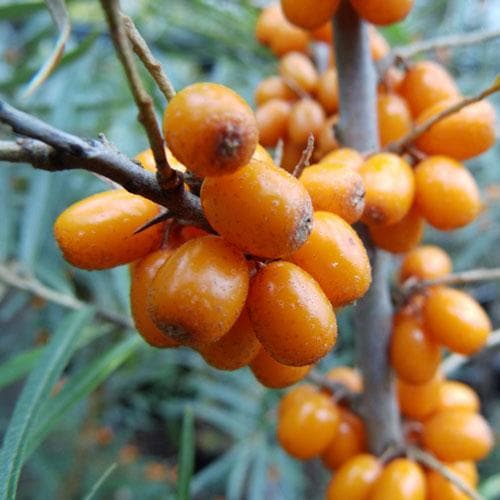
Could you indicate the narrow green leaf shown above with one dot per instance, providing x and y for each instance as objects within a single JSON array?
[
  {"x": 186, "y": 455},
  {"x": 490, "y": 487},
  {"x": 7, "y": 212},
  {"x": 34, "y": 394},
  {"x": 19, "y": 9},
  {"x": 258, "y": 476},
  {"x": 237, "y": 477},
  {"x": 100, "y": 482},
  {"x": 18, "y": 366}
]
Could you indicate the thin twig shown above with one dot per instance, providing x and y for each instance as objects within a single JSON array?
[
  {"x": 339, "y": 390},
  {"x": 305, "y": 159},
  {"x": 148, "y": 59},
  {"x": 166, "y": 175},
  {"x": 406, "y": 141}
]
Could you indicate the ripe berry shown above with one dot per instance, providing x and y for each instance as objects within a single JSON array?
[
  {"x": 260, "y": 208},
  {"x": 269, "y": 19},
  {"x": 394, "y": 118},
  {"x": 284, "y": 37},
  {"x": 383, "y": 11},
  {"x": 440, "y": 488},
  {"x": 273, "y": 87},
  {"x": 210, "y": 129},
  {"x": 327, "y": 140},
  {"x": 98, "y": 232},
  {"x": 147, "y": 160},
  {"x": 379, "y": 47},
  {"x": 455, "y": 319},
  {"x": 419, "y": 401},
  {"x": 425, "y": 263},
  {"x": 275, "y": 375},
  {"x": 327, "y": 92},
  {"x": 299, "y": 69},
  {"x": 198, "y": 294},
  {"x": 309, "y": 14},
  {"x": 292, "y": 154},
  {"x": 307, "y": 117},
  {"x": 454, "y": 395},
  {"x": 324, "y": 33},
  {"x": 348, "y": 376},
  {"x": 390, "y": 188},
  {"x": 291, "y": 316},
  {"x": 272, "y": 121},
  {"x": 349, "y": 157}
]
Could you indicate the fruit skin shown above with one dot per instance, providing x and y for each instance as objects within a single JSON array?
[
  {"x": 309, "y": 14},
  {"x": 275, "y": 375},
  {"x": 454, "y": 395},
  {"x": 335, "y": 188},
  {"x": 355, "y": 478},
  {"x": 418, "y": 401},
  {"x": 307, "y": 424},
  {"x": 327, "y": 91},
  {"x": 346, "y": 156},
  {"x": 299, "y": 69},
  {"x": 98, "y": 231},
  {"x": 336, "y": 258},
  {"x": 307, "y": 117},
  {"x": 210, "y": 129},
  {"x": 439, "y": 488},
  {"x": 350, "y": 377},
  {"x": 425, "y": 263},
  {"x": 273, "y": 87},
  {"x": 457, "y": 435},
  {"x": 199, "y": 293},
  {"x": 425, "y": 84},
  {"x": 390, "y": 188},
  {"x": 327, "y": 140},
  {"x": 291, "y": 315},
  {"x": 456, "y": 320},
  {"x": 237, "y": 348},
  {"x": 260, "y": 208},
  {"x": 147, "y": 160},
  {"x": 446, "y": 194},
  {"x": 401, "y": 479},
  {"x": 383, "y": 12},
  {"x": 272, "y": 121},
  {"x": 462, "y": 135},
  {"x": 394, "y": 118}
]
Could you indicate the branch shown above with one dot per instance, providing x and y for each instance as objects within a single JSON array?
[
  {"x": 148, "y": 59},
  {"x": 401, "y": 145},
  {"x": 167, "y": 177},
  {"x": 305, "y": 159}
]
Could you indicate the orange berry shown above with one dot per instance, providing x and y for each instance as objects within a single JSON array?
[
  {"x": 327, "y": 140},
  {"x": 262, "y": 155},
  {"x": 383, "y": 11},
  {"x": 457, "y": 435},
  {"x": 456, "y": 320},
  {"x": 273, "y": 87},
  {"x": 348, "y": 376},
  {"x": 392, "y": 81},
  {"x": 426, "y": 262},
  {"x": 419, "y": 401},
  {"x": 335, "y": 188},
  {"x": 440, "y": 488},
  {"x": 142, "y": 275},
  {"x": 394, "y": 118},
  {"x": 260, "y": 207},
  {"x": 98, "y": 232},
  {"x": 288, "y": 38},
  {"x": 309, "y": 14},
  {"x": 401, "y": 479},
  {"x": 378, "y": 45},
  {"x": 462, "y": 135},
  {"x": 275, "y": 375},
  {"x": 269, "y": 19},
  {"x": 307, "y": 117},
  {"x": 298, "y": 68},
  {"x": 425, "y": 84},
  {"x": 292, "y": 154},
  {"x": 210, "y": 129},
  {"x": 349, "y": 157},
  {"x": 446, "y": 194},
  {"x": 272, "y": 121},
  {"x": 390, "y": 188},
  {"x": 324, "y": 33},
  {"x": 349, "y": 440},
  {"x": 236, "y": 348},
  {"x": 454, "y": 395},
  {"x": 307, "y": 424},
  {"x": 199, "y": 293},
  {"x": 336, "y": 258},
  {"x": 327, "y": 92},
  {"x": 147, "y": 160},
  {"x": 298, "y": 395},
  {"x": 291, "y": 315},
  {"x": 414, "y": 356},
  {"x": 402, "y": 236},
  {"x": 355, "y": 478}
]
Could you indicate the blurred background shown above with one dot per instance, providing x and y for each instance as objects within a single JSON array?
[{"x": 124, "y": 401}]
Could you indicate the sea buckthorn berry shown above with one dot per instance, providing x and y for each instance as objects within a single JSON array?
[
  {"x": 336, "y": 258},
  {"x": 260, "y": 208},
  {"x": 391, "y": 81},
  {"x": 454, "y": 395},
  {"x": 348, "y": 376},
  {"x": 347, "y": 156},
  {"x": 292, "y": 153},
  {"x": 418, "y": 401},
  {"x": 440, "y": 488},
  {"x": 288, "y": 38},
  {"x": 324, "y": 33},
  {"x": 355, "y": 478},
  {"x": 349, "y": 440},
  {"x": 390, "y": 188},
  {"x": 402, "y": 236},
  {"x": 379, "y": 47},
  {"x": 327, "y": 92},
  {"x": 141, "y": 278},
  {"x": 383, "y": 11},
  {"x": 269, "y": 19},
  {"x": 401, "y": 479},
  {"x": 335, "y": 188},
  {"x": 307, "y": 424},
  {"x": 456, "y": 320},
  {"x": 309, "y": 14},
  {"x": 299, "y": 69},
  {"x": 307, "y": 117},
  {"x": 98, "y": 232},
  {"x": 414, "y": 356},
  {"x": 275, "y": 375},
  {"x": 273, "y": 87},
  {"x": 426, "y": 262},
  {"x": 272, "y": 121},
  {"x": 147, "y": 160},
  {"x": 291, "y": 315},
  {"x": 446, "y": 194},
  {"x": 199, "y": 293},
  {"x": 394, "y": 118},
  {"x": 457, "y": 435},
  {"x": 210, "y": 129},
  {"x": 425, "y": 84},
  {"x": 327, "y": 140},
  {"x": 236, "y": 348},
  {"x": 462, "y": 135},
  {"x": 261, "y": 154}
]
